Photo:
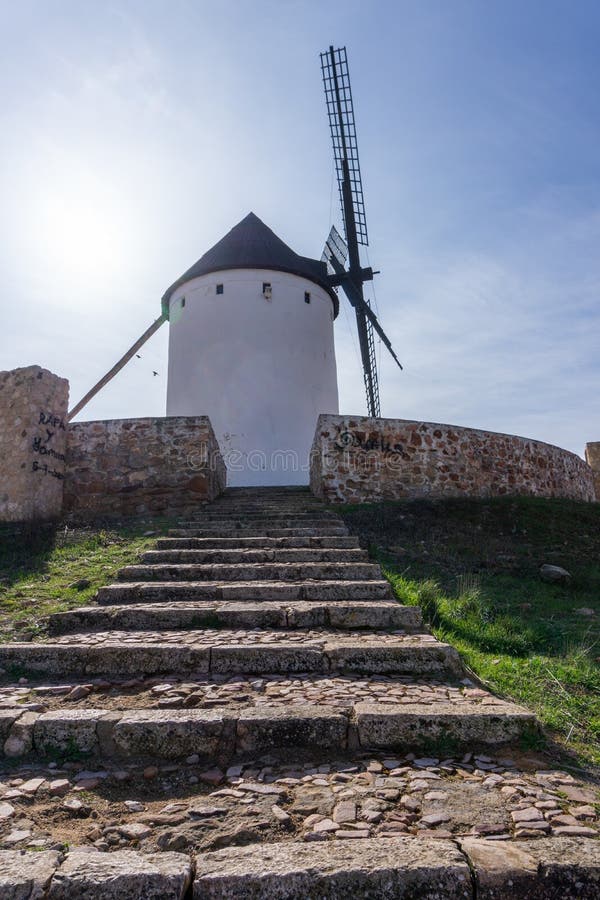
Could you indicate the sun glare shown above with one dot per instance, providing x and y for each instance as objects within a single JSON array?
[{"x": 84, "y": 228}]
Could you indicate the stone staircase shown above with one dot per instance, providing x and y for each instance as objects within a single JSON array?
[{"x": 259, "y": 626}]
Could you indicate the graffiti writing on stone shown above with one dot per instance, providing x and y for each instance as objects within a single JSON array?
[
  {"x": 41, "y": 444},
  {"x": 53, "y": 421},
  {"x": 43, "y": 467}
]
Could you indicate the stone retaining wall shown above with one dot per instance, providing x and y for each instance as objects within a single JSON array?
[
  {"x": 33, "y": 416},
  {"x": 357, "y": 459},
  {"x": 592, "y": 456},
  {"x": 123, "y": 467}
]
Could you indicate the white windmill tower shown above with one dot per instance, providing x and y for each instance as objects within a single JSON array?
[
  {"x": 251, "y": 325},
  {"x": 251, "y": 346}
]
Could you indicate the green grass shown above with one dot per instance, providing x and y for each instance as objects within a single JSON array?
[
  {"x": 37, "y": 567},
  {"x": 472, "y": 565}
]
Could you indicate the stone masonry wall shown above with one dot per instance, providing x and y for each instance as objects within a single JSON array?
[
  {"x": 592, "y": 456},
  {"x": 33, "y": 416},
  {"x": 356, "y": 459},
  {"x": 123, "y": 467}
]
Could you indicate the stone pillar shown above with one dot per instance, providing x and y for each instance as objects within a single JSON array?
[
  {"x": 592, "y": 457},
  {"x": 33, "y": 437}
]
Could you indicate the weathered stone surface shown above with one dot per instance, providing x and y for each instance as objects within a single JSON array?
[
  {"x": 122, "y": 875},
  {"x": 255, "y": 572},
  {"x": 33, "y": 423},
  {"x": 106, "y": 659},
  {"x": 356, "y": 459},
  {"x": 297, "y": 726},
  {"x": 26, "y": 875},
  {"x": 411, "y": 726},
  {"x": 592, "y": 457},
  {"x": 7, "y": 719},
  {"x": 170, "y": 734},
  {"x": 138, "y": 466},
  {"x": 264, "y": 614},
  {"x": 369, "y": 868},
  {"x": 67, "y": 729},
  {"x": 181, "y": 591},
  {"x": 560, "y": 867},
  {"x": 423, "y": 658},
  {"x": 20, "y": 739},
  {"x": 282, "y": 658}
]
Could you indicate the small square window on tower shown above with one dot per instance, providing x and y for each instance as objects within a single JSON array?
[
  {"x": 267, "y": 292},
  {"x": 307, "y": 296},
  {"x": 182, "y": 302},
  {"x": 219, "y": 289}
]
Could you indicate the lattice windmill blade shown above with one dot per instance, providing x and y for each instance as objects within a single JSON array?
[
  {"x": 340, "y": 112},
  {"x": 335, "y": 249}
]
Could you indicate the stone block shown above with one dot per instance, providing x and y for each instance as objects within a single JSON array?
[
  {"x": 7, "y": 719},
  {"x": 122, "y": 875},
  {"x": 20, "y": 739},
  {"x": 169, "y": 734},
  {"x": 369, "y": 868},
  {"x": 298, "y": 726},
  {"x": 26, "y": 875},
  {"x": 68, "y": 729},
  {"x": 33, "y": 436},
  {"x": 260, "y": 658},
  {"x": 411, "y": 726},
  {"x": 428, "y": 658},
  {"x": 557, "y": 867}
]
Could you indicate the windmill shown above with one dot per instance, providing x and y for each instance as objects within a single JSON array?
[
  {"x": 251, "y": 340},
  {"x": 340, "y": 112}
]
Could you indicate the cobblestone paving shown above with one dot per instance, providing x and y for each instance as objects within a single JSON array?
[
  {"x": 185, "y": 806},
  {"x": 216, "y": 692},
  {"x": 246, "y": 637}
]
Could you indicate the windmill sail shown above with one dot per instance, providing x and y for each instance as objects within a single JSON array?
[{"x": 340, "y": 112}]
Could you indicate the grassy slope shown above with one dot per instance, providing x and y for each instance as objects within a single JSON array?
[
  {"x": 37, "y": 567},
  {"x": 473, "y": 567}
]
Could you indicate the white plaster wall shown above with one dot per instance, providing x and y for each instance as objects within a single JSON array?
[{"x": 262, "y": 370}]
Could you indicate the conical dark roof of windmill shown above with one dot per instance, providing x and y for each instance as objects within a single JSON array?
[{"x": 252, "y": 245}]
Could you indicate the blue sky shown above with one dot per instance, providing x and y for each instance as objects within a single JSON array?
[{"x": 135, "y": 134}]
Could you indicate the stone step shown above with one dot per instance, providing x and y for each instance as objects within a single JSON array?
[
  {"x": 273, "y": 503},
  {"x": 340, "y": 571},
  {"x": 224, "y": 652},
  {"x": 224, "y": 733},
  {"x": 264, "y": 492},
  {"x": 241, "y": 556},
  {"x": 295, "y": 614},
  {"x": 265, "y": 531},
  {"x": 259, "y": 543},
  {"x": 177, "y": 591},
  {"x": 300, "y": 502},
  {"x": 403, "y": 867},
  {"x": 242, "y": 523},
  {"x": 398, "y": 866},
  {"x": 278, "y": 511}
]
